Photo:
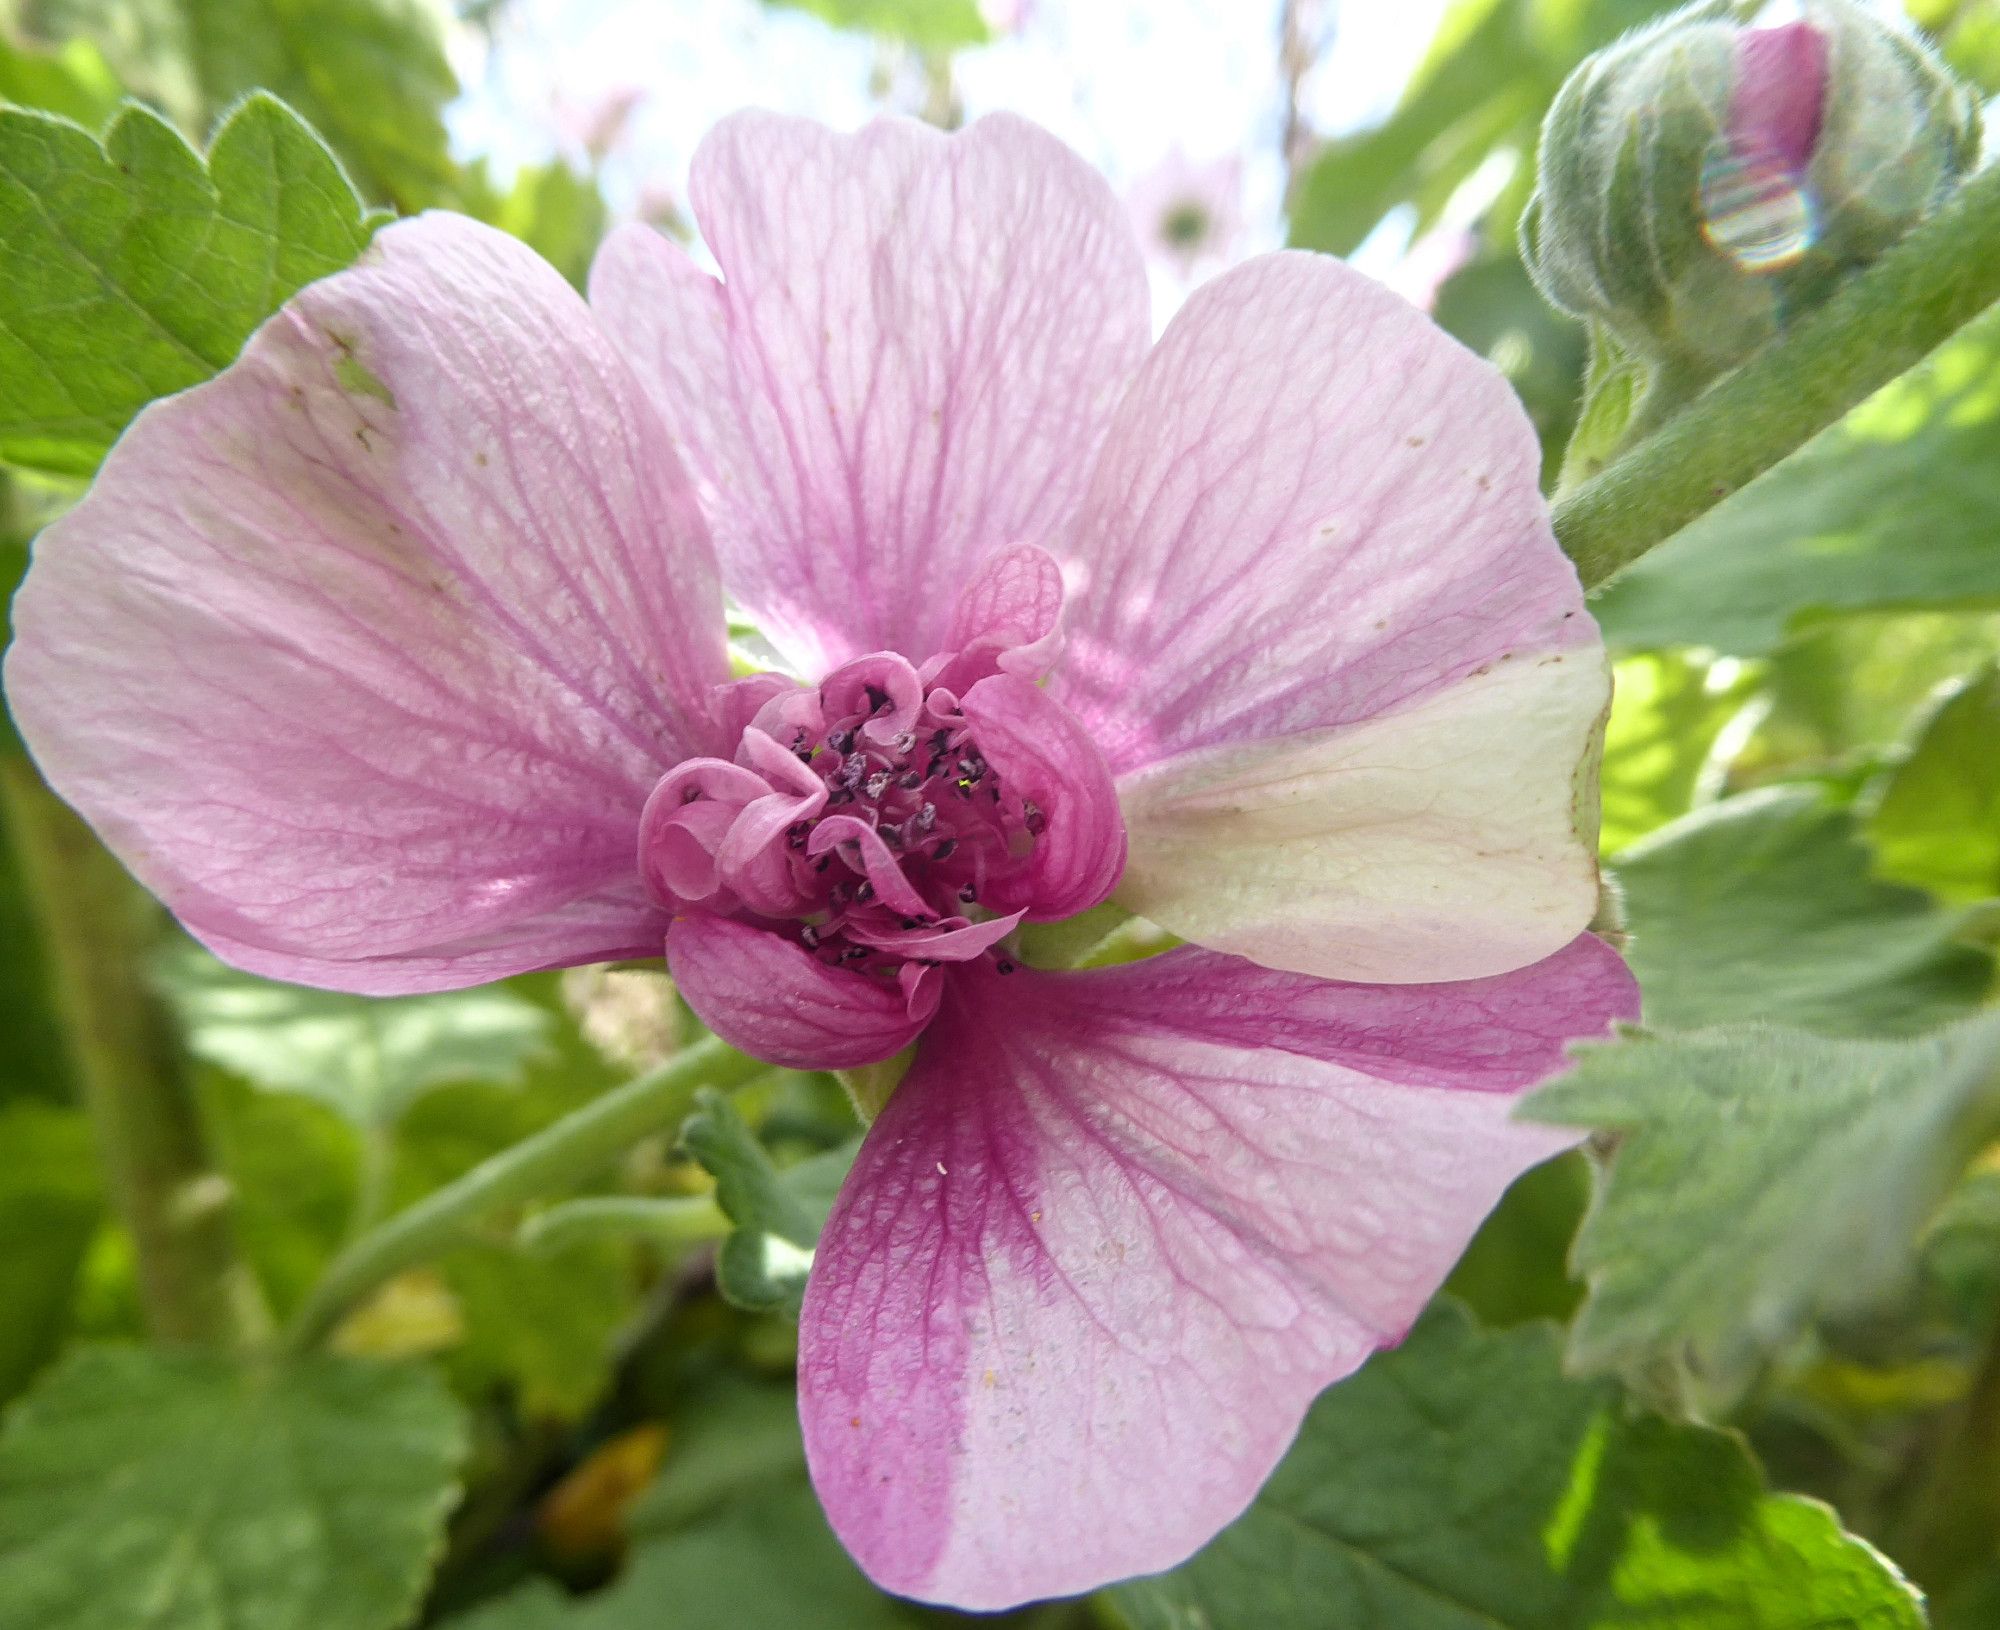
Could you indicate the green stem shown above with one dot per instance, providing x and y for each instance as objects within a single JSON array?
[
  {"x": 1878, "y": 325},
  {"x": 671, "y": 1221},
  {"x": 551, "y": 1160},
  {"x": 98, "y": 930}
]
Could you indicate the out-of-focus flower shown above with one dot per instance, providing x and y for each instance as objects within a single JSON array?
[
  {"x": 660, "y": 207},
  {"x": 1704, "y": 180},
  {"x": 1189, "y": 215},
  {"x": 393, "y": 659},
  {"x": 1006, "y": 16},
  {"x": 596, "y": 127}
]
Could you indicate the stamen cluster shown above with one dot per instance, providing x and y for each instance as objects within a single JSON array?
[{"x": 859, "y": 817}]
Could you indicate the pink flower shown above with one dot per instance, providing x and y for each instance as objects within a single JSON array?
[
  {"x": 392, "y": 660},
  {"x": 1189, "y": 215},
  {"x": 1779, "y": 99}
]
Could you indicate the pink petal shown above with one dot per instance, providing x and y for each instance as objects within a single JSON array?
[
  {"x": 365, "y": 655},
  {"x": 1315, "y": 514},
  {"x": 1043, "y": 756},
  {"x": 771, "y": 998},
  {"x": 908, "y": 364},
  {"x": 1013, "y": 606},
  {"x": 1779, "y": 98},
  {"x": 1116, "y": 1229}
]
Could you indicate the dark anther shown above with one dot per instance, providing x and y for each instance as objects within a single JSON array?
[
  {"x": 809, "y": 937},
  {"x": 910, "y": 780},
  {"x": 841, "y": 741},
  {"x": 933, "y": 767},
  {"x": 972, "y": 767},
  {"x": 968, "y": 894},
  {"x": 909, "y": 922},
  {"x": 840, "y": 795},
  {"x": 878, "y": 698},
  {"x": 824, "y": 862},
  {"x": 891, "y": 835},
  {"x": 854, "y": 953},
  {"x": 1003, "y": 966},
  {"x": 1031, "y": 817},
  {"x": 993, "y": 793},
  {"x": 864, "y": 893},
  {"x": 878, "y": 783},
  {"x": 945, "y": 850},
  {"x": 940, "y": 741},
  {"x": 795, "y": 834}
]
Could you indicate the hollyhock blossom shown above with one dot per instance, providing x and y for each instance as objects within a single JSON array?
[
  {"x": 392, "y": 659},
  {"x": 1188, "y": 214}
]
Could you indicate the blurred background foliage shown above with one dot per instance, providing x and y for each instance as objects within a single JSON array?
[{"x": 1801, "y": 804}]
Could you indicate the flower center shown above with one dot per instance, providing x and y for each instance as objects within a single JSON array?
[{"x": 859, "y": 818}]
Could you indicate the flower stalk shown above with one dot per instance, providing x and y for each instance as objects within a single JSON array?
[
  {"x": 194, "y": 1285},
  {"x": 1877, "y": 326},
  {"x": 552, "y": 1159}
]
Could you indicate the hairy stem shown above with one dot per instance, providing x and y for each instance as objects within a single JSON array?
[
  {"x": 194, "y": 1285},
  {"x": 1880, "y": 324},
  {"x": 551, "y": 1160}
]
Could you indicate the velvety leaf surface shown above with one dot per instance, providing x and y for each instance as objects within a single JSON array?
[
  {"x": 1937, "y": 824},
  {"x": 368, "y": 1058},
  {"x": 1461, "y": 1482},
  {"x": 762, "y": 1266},
  {"x": 1762, "y": 908},
  {"x": 1763, "y": 1176},
  {"x": 1893, "y": 506},
  {"x": 49, "y": 1208},
  {"x": 178, "y": 1491},
  {"x": 131, "y": 270}
]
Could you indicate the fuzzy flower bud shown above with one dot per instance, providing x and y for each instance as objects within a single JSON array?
[{"x": 1705, "y": 179}]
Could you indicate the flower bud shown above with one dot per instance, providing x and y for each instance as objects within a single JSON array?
[{"x": 1704, "y": 180}]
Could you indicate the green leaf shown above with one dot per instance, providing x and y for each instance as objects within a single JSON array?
[
  {"x": 49, "y": 1209},
  {"x": 1937, "y": 822},
  {"x": 1665, "y": 717},
  {"x": 926, "y": 25},
  {"x": 730, "y": 1534},
  {"x": 371, "y": 75},
  {"x": 544, "y": 1325},
  {"x": 366, "y": 1057},
  {"x": 778, "y": 1215},
  {"x": 182, "y": 1491},
  {"x": 1763, "y": 1177},
  {"x": 1893, "y": 506},
  {"x": 130, "y": 271},
  {"x": 1462, "y": 1482},
  {"x": 72, "y": 80},
  {"x": 1761, "y": 908}
]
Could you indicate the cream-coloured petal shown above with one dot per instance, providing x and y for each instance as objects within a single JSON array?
[{"x": 1450, "y": 840}]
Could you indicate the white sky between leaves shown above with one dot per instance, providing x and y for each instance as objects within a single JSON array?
[{"x": 1123, "y": 81}]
